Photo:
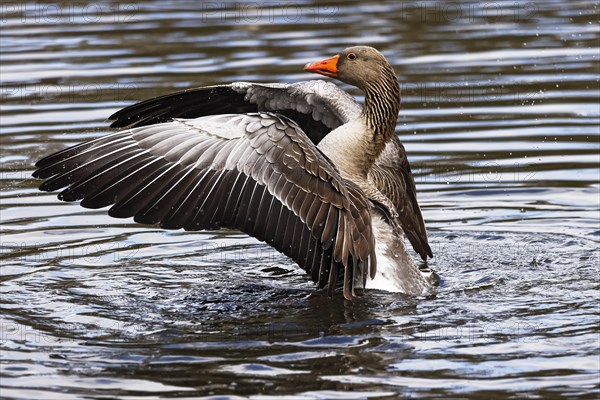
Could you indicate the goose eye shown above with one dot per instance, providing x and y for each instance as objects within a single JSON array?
[{"x": 351, "y": 56}]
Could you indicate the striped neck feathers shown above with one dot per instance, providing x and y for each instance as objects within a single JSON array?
[{"x": 382, "y": 104}]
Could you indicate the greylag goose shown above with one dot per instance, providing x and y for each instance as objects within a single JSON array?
[{"x": 302, "y": 166}]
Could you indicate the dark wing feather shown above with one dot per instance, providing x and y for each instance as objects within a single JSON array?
[
  {"x": 190, "y": 103},
  {"x": 258, "y": 173},
  {"x": 392, "y": 175},
  {"x": 316, "y": 106}
]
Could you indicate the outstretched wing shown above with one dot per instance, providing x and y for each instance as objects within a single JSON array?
[
  {"x": 257, "y": 173},
  {"x": 393, "y": 177},
  {"x": 316, "y": 106}
]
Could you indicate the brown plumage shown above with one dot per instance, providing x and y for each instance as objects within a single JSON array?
[{"x": 259, "y": 158}]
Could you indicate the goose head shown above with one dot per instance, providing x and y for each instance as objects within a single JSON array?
[
  {"x": 360, "y": 66},
  {"x": 367, "y": 69}
]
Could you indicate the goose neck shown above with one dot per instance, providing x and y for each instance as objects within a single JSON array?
[{"x": 382, "y": 104}]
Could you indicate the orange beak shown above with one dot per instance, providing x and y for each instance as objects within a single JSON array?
[{"x": 326, "y": 67}]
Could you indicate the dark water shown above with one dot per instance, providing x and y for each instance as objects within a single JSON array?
[{"x": 501, "y": 120}]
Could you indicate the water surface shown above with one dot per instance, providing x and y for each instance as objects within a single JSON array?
[{"x": 501, "y": 121}]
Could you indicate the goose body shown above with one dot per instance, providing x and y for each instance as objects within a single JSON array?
[{"x": 302, "y": 166}]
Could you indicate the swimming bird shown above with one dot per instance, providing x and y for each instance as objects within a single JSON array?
[{"x": 303, "y": 167}]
